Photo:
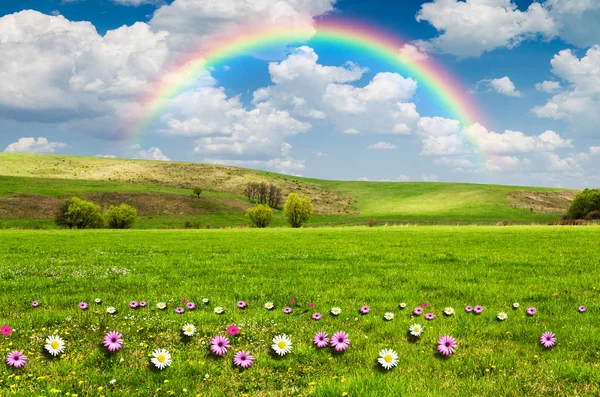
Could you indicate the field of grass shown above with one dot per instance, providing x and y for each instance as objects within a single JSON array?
[{"x": 555, "y": 269}]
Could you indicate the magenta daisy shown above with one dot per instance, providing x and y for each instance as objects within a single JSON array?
[
  {"x": 219, "y": 345},
  {"x": 83, "y": 306},
  {"x": 365, "y": 309},
  {"x": 243, "y": 359},
  {"x": 35, "y": 303},
  {"x": 233, "y": 330},
  {"x": 469, "y": 309},
  {"x": 184, "y": 300},
  {"x": 531, "y": 311},
  {"x": 16, "y": 359},
  {"x": 478, "y": 309},
  {"x": 311, "y": 305},
  {"x": 417, "y": 311},
  {"x": 429, "y": 316},
  {"x": 548, "y": 339},
  {"x": 425, "y": 304},
  {"x": 317, "y": 316},
  {"x": 190, "y": 305},
  {"x": 321, "y": 340},
  {"x": 446, "y": 345},
  {"x": 133, "y": 304},
  {"x": 143, "y": 304},
  {"x": 340, "y": 341},
  {"x": 581, "y": 309},
  {"x": 241, "y": 304},
  {"x": 292, "y": 300},
  {"x": 179, "y": 310},
  {"x": 113, "y": 341},
  {"x": 287, "y": 310},
  {"x": 6, "y": 330}
]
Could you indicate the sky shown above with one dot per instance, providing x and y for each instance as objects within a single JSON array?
[{"x": 89, "y": 77}]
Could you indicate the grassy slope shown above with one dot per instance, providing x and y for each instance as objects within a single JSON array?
[
  {"x": 552, "y": 268},
  {"x": 59, "y": 176}
]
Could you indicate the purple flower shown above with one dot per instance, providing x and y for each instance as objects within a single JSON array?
[
  {"x": 292, "y": 300},
  {"x": 190, "y": 305},
  {"x": 311, "y": 305},
  {"x": 241, "y": 304},
  {"x": 581, "y": 309},
  {"x": 548, "y": 339},
  {"x": 446, "y": 345},
  {"x": 365, "y": 309},
  {"x": 287, "y": 310},
  {"x": 219, "y": 345},
  {"x": 16, "y": 359},
  {"x": 184, "y": 300},
  {"x": 417, "y": 311},
  {"x": 233, "y": 330},
  {"x": 35, "y": 303},
  {"x": 317, "y": 316},
  {"x": 425, "y": 304},
  {"x": 179, "y": 310},
  {"x": 478, "y": 309},
  {"x": 531, "y": 311},
  {"x": 321, "y": 340},
  {"x": 83, "y": 306},
  {"x": 143, "y": 304},
  {"x": 429, "y": 316},
  {"x": 243, "y": 359},
  {"x": 113, "y": 341},
  {"x": 133, "y": 304},
  {"x": 469, "y": 309},
  {"x": 340, "y": 341},
  {"x": 6, "y": 330}
]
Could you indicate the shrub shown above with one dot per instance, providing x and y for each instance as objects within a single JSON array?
[
  {"x": 297, "y": 210},
  {"x": 260, "y": 216},
  {"x": 593, "y": 216},
  {"x": 584, "y": 203},
  {"x": 191, "y": 225},
  {"x": 373, "y": 222},
  {"x": 79, "y": 214},
  {"x": 121, "y": 217},
  {"x": 197, "y": 191}
]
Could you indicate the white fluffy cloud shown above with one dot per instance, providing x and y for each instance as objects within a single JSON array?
[
  {"x": 503, "y": 164},
  {"x": 577, "y": 20},
  {"x": 136, "y": 2},
  {"x": 32, "y": 145},
  {"x": 503, "y": 86},
  {"x": 514, "y": 141},
  {"x": 382, "y": 146},
  {"x": 549, "y": 87},
  {"x": 429, "y": 178},
  {"x": 153, "y": 153},
  {"x": 595, "y": 150}
]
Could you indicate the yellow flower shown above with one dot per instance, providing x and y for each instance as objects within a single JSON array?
[
  {"x": 100, "y": 388},
  {"x": 344, "y": 394},
  {"x": 166, "y": 381}
]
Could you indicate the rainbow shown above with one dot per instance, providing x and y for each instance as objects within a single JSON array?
[{"x": 446, "y": 90}]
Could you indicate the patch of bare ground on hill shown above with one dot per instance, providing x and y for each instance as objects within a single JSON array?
[{"x": 554, "y": 202}]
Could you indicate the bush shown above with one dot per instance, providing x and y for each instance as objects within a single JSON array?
[
  {"x": 297, "y": 210},
  {"x": 584, "y": 203},
  {"x": 197, "y": 191},
  {"x": 79, "y": 214},
  {"x": 260, "y": 216},
  {"x": 593, "y": 216},
  {"x": 121, "y": 217},
  {"x": 373, "y": 222}
]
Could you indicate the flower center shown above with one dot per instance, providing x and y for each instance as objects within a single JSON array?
[
  {"x": 417, "y": 329},
  {"x": 161, "y": 358},
  {"x": 55, "y": 345},
  {"x": 388, "y": 358},
  {"x": 282, "y": 345}
]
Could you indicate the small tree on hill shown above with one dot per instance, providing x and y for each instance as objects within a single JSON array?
[
  {"x": 79, "y": 214},
  {"x": 584, "y": 203},
  {"x": 121, "y": 217},
  {"x": 260, "y": 216},
  {"x": 297, "y": 210},
  {"x": 198, "y": 191}
]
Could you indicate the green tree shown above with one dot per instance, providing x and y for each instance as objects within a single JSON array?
[
  {"x": 121, "y": 217},
  {"x": 584, "y": 203},
  {"x": 198, "y": 191},
  {"x": 260, "y": 216},
  {"x": 79, "y": 214},
  {"x": 297, "y": 210}
]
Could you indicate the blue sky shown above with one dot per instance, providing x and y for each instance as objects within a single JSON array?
[{"x": 73, "y": 72}]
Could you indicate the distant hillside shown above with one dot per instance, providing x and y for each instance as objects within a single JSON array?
[{"x": 32, "y": 185}]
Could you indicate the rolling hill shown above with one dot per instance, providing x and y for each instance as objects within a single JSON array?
[{"x": 31, "y": 186}]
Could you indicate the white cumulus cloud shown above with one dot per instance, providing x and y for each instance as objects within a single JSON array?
[{"x": 32, "y": 145}]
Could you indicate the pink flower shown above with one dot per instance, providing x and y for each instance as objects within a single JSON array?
[
  {"x": 133, "y": 304},
  {"x": 219, "y": 345},
  {"x": 233, "y": 330},
  {"x": 311, "y": 305},
  {"x": 469, "y": 309},
  {"x": 287, "y": 310},
  {"x": 179, "y": 310},
  {"x": 184, "y": 300},
  {"x": 340, "y": 341},
  {"x": 417, "y": 311},
  {"x": 548, "y": 339},
  {"x": 365, "y": 309},
  {"x": 429, "y": 316},
  {"x": 478, "y": 309},
  {"x": 143, "y": 304},
  {"x": 243, "y": 359},
  {"x": 16, "y": 359},
  {"x": 292, "y": 300},
  {"x": 241, "y": 304},
  {"x": 35, "y": 303},
  {"x": 446, "y": 345},
  {"x": 113, "y": 341},
  {"x": 5, "y": 330},
  {"x": 321, "y": 340},
  {"x": 531, "y": 311},
  {"x": 425, "y": 304},
  {"x": 581, "y": 309},
  {"x": 190, "y": 305},
  {"x": 83, "y": 306},
  {"x": 317, "y": 316}
]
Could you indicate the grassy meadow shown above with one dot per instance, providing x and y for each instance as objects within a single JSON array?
[{"x": 554, "y": 269}]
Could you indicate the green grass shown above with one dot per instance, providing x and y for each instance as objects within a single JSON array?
[{"x": 552, "y": 268}]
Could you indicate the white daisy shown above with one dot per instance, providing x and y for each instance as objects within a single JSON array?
[
  {"x": 205, "y": 301},
  {"x": 449, "y": 311},
  {"x": 516, "y": 305},
  {"x": 282, "y": 345},
  {"x": 111, "y": 310},
  {"x": 415, "y": 330},
  {"x": 55, "y": 345},
  {"x": 161, "y": 358},
  {"x": 402, "y": 305},
  {"x": 389, "y": 316},
  {"x": 269, "y": 305},
  {"x": 189, "y": 330},
  {"x": 388, "y": 358},
  {"x": 336, "y": 311},
  {"x": 98, "y": 301},
  {"x": 502, "y": 316},
  {"x": 219, "y": 310}
]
